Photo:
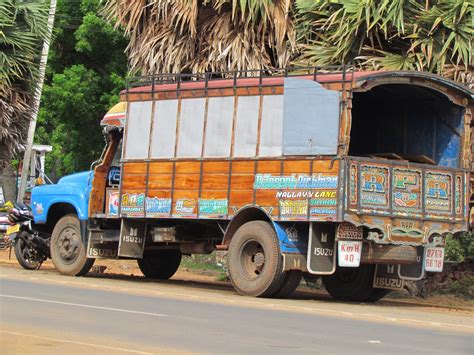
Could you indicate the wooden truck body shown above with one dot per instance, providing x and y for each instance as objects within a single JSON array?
[{"x": 345, "y": 170}]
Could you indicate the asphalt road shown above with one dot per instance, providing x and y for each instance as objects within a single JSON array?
[{"x": 44, "y": 312}]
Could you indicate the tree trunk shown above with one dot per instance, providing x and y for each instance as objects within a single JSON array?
[{"x": 8, "y": 181}]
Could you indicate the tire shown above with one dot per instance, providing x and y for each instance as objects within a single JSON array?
[
  {"x": 160, "y": 265},
  {"x": 354, "y": 284},
  {"x": 68, "y": 252},
  {"x": 255, "y": 261},
  {"x": 291, "y": 281},
  {"x": 25, "y": 255}
]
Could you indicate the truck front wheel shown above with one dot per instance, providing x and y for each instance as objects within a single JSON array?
[
  {"x": 68, "y": 251},
  {"x": 255, "y": 261},
  {"x": 354, "y": 284},
  {"x": 160, "y": 265}
]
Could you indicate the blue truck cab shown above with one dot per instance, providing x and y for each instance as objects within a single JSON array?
[{"x": 69, "y": 195}]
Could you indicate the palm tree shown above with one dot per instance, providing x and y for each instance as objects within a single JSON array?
[
  {"x": 22, "y": 29},
  {"x": 434, "y": 36},
  {"x": 212, "y": 35}
]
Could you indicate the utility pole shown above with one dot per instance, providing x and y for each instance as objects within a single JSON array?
[{"x": 36, "y": 102}]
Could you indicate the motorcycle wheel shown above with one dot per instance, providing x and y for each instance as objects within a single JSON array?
[{"x": 26, "y": 255}]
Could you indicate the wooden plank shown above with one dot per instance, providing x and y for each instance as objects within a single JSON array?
[
  {"x": 321, "y": 166},
  {"x": 159, "y": 193},
  {"x": 215, "y": 181},
  {"x": 240, "y": 198},
  {"x": 242, "y": 182},
  {"x": 392, "y": 156},
  {"x": 266, "y": 198},
  {"x": 160, "y": 181},
  {"x": 216, "y": 167},
  {"x": 133, "y": 182},
  {"x": 185, "y": 194},
  {"x": 421, "y": 158},
  {"x": 186, "y": 182},
  {"x": 212, "y": 92},
  {"x": 220, "y": 92},
  {"x": 134, "y": 168},
  {"x": 269, "y": 166},
  {"x": 161, "y": 167},
  {"x": 296, "y": 166},
  {"x": 188, "y": 167},
  {"x": 243, "y": 167}
]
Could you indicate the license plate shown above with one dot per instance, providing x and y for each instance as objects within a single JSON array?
[
  {"x": 349, "y": 253},
  {"x": 13, "y": 229},
  {"x": 434, "y": 259}
]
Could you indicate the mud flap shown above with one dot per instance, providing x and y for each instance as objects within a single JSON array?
[
  {"x": 386, "y": 276},
  {"x": 132, "y": 239},
  {"x": 321, "y": 258},
  {"x": 100, "y": 247},
  {"x": 416, "y": 271}
]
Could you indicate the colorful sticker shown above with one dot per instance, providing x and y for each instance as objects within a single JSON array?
[
  {"x": 113, "y": 203},
  {"x": 185, "y": 207},
  {"x": 133, "y": 204},
  {"x": 293, "y": 209},
  {"x": 155, "y": 206},
  {"x": 322, "y": 213},
  {"x": 39, "y": 208},
  {"x": 213, "y": 207},
  {"x": 295, "y": 181},
  {"x": 324, "y": 198}
]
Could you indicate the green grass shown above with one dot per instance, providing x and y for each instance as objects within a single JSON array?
[{"x": 201, "y": 262}]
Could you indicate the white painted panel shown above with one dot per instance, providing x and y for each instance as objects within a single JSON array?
[
  {"x": 311, "y": 118},
  {"x": 271, "y": 131},
  {"x": 220, "y": 112},
  {"x": 164, "y": 129},
  {"x": 246, "y": 126},
  {"x": 138, "y": 130},
  {"x": 191, "y": 128}
]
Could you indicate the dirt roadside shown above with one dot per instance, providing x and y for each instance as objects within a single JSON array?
[{"x": 128, "y": 268}]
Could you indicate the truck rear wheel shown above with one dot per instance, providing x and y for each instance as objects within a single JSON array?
[
  {"x": 255, "y": 261},
  {"x": 353, "y": 284},
  {"x": 68, "y": 251},
  {"x": 160, "y": 265},
  {"x": 290, "y": 283}
]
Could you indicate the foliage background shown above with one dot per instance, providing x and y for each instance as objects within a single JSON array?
[
  {"x": 86, "y": 71},
  {"x": 87, "y": 63}
]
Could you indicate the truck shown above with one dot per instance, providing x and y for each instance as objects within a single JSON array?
[{"x": 356, "y": 177}]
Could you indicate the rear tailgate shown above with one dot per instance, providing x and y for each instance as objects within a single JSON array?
[{"x": 407, "y": 202}]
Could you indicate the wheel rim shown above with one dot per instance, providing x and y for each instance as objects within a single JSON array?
[
  {"x": 252, "y": 260},
  {"x": 27, "y": 252},
  {"x": 68, "y": 245}
]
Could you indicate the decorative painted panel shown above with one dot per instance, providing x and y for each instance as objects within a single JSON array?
[
  {"x": 406, "y": 187},
  {"x": 438, "y": 194},
  {"x": 374, "y": 188}
]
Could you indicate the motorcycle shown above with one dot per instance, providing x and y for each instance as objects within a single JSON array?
[
  {"x": 4, "y": 225},
  {"x": 31, "y": 247}
]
